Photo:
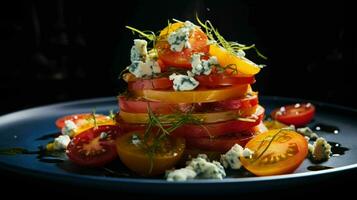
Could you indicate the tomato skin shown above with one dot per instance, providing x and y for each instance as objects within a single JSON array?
[
  {"x": 197, "y": 39},
  {"x": 295, "y": 115},
  {"x": 89, "y": 150},
  {"x": 281, "y": 156},
  {"x": 137, "y": 159},
  {"x": 203, "y": 130}
]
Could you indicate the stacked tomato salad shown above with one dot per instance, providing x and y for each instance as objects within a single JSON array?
[{"x": 188, "y": 91}]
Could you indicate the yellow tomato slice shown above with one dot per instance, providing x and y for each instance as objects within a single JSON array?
[
  {"x": 194, "y": 96},
  {"x": 226, "y": 58},
  {"x": 276, "y": 152},
  {"x": 171, "y": 28},
  {"x": 137, "y": 159},
  {"x": 212, "y": 117}
]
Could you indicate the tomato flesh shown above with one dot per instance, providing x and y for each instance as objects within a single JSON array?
[
  {"x": 94, "y": 147},
  {"x": 298, "y": 114},
  {"x": 276, "y": 152},
  {"x": 136, "y": 157}
]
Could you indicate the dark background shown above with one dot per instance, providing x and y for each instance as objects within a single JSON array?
[{"x": 53, "y": 51}]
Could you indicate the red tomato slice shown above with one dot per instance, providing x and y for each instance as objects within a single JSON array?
[
  {"x": 205, "y": 130},
  {"x": 216, "y": 80},
  {"x": 197, "y": 39},
  {"x": 298, "y": 114},
  {"x": 94, "y": 147},
  {"x": 133, "y": 105},
  {"x": 207, "y": 81},
  {"x": 77, "y": 118}
]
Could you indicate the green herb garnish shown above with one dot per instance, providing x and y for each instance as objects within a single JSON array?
[{"x": 232, "y": 47}]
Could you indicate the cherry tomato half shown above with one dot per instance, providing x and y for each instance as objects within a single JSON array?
[
  {"x": 94, "y": 147},
  {"x": 135, "y": 156},
  {"x": 197, "y": 39},
  {"x": 276, "y": 152},
  {"x": 298, "y": 114}
]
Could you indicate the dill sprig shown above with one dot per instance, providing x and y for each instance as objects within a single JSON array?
[
  {"x": 163, "y": 130},
  {"x": 149, "y": 35},
  {"x": 94, "y": 117},
  {"x": 231, "y": 46}
]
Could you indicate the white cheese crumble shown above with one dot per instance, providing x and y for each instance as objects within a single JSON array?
[
  {"x": 142, "y": 69},
  {"x": 306, "y": 131},
  {"x": 199, "y": 168},
  {"x": 202, "y": 66},
  {"x": 69, "y": 128},
  {"x": 182, "y": 174},
  {"x": 321, "y": 150},
  {"x": 141, "y": 64},
  {"x": 61, "y": 142},
  {"x": 138, "y": 51},
  {"x": 231, "y": 159},
  {"x": 178, "y": 39},
  {"x": 183, "y": 82}
]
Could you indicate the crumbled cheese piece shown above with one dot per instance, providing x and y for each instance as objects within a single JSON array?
[
  {"x": 183, "y": 82},
  {"x": 182, "y": 174},
  {"x": 231, "y": 159},
  {"x": 206, "y": 169},
  {"x": 135, "y": 139},
  {"x": 320, "y": 150},
  {"x": 61, "y": 142},
  {"x": 200, "y": 168},
  {"x": 202, "y": 66},
  {"x": 138, "y": 51},
  {"x": 178, "y": 39},
  {"x": 69, "y": 128},
  {"x": 289, "y": 128},
  {"x": 306, "y": 131},
  {"x": 147, "y": 68}
]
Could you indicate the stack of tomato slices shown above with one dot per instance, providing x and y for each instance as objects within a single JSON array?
[{"x": 225, "y": 104}]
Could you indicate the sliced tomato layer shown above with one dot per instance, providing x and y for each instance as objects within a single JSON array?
[
  {"x": 207, "y": 81},
  {"x": 137, "y": 105},
  {"x": 209, "y": 130},
  {"x": 195, "y": 96}
]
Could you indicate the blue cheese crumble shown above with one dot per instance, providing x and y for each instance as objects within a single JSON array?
[
  {"x": 141, "y": 63},
  {"x": 202, "y": 66},
  {"x": 179, "y": 39},
  {"x": 306, "y": 131},
  {"x": 197, "y": 168},
  {"x": 183, "y": 82},
  {"x": 61, "y": 142},
  {"x": 138, "y": 51},
  {"x": 69, "y": 128},
  {"x": 231, "y": 159},
  {"x": 320, "y": 151}
]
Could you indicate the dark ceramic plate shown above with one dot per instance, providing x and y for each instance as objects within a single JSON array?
[{"x": 35, "y": 127}]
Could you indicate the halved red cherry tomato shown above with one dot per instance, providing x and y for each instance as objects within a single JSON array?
[
  {"x": 298, "y": 114},
  {"x": 209, "y": 130},
  {"x": 135, "y": 156},
  {"x": 197, "y": 39},
  {"x": 137, "y": 105},
  {"x": 276, "y": 152},
  {"x": 94, "y": 147}
]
